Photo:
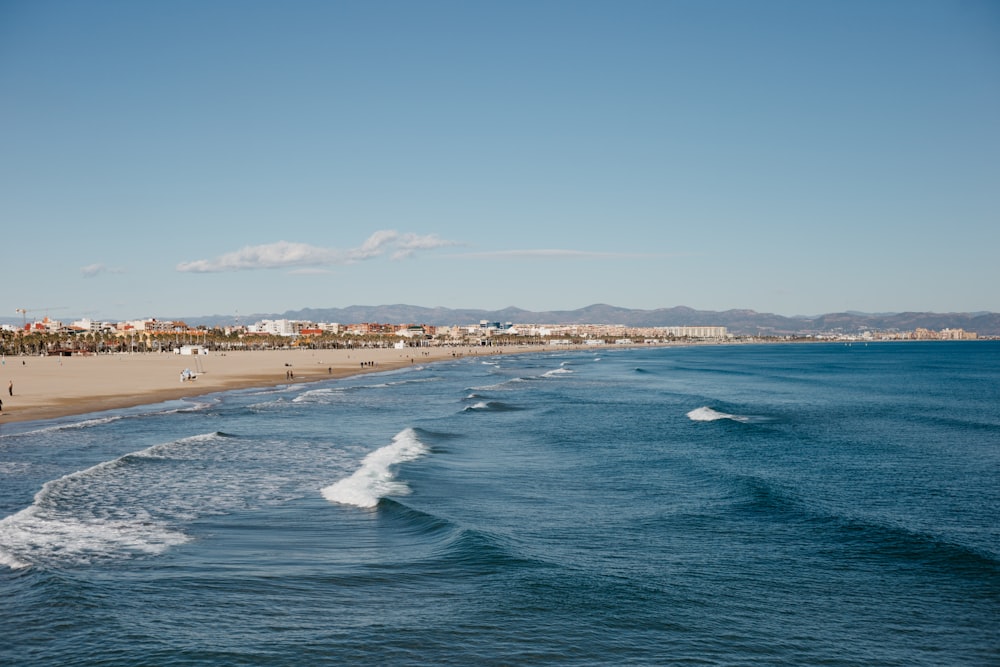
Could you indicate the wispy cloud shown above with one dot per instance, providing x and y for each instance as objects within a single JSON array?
[
  {"x": 556, "y": 253},
  {"x": 310, "y": 271},
  {"x": 284, "y": 254},
  {"x": 94, "y": 270}
]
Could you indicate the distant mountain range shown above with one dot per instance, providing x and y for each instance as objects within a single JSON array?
[{"x": 737, "y": 321}]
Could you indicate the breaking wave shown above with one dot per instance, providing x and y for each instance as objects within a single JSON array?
[
  {"x": 376, "y": 478},
  {"x": 141, "y": 503},
  {"x": 707, "y": 414},
  {"x": 101, "y": 512},
  {"x": 498, "y": 406}
]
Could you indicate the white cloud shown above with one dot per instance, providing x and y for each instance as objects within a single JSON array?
[
  {"x": 94, "y": 270},
  {"x": 374, "y": 245},
  {"x": 270, "y": 256},
  {"x": 284, "y": 254},
  {"x": 408, "y": 244}
]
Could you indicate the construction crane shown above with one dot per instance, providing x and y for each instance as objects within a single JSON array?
[{"x": 24, "y": 313}]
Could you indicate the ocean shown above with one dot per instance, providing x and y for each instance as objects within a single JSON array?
[{"x": 787, "y": 504}]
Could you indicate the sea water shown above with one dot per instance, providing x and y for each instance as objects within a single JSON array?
[{"x": 820, "y": 504}]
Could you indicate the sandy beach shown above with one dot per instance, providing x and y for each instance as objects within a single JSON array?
[{"x": 50, "y": 387}]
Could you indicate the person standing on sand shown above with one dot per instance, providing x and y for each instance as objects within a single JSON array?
[{"x": 10, "y": 387}]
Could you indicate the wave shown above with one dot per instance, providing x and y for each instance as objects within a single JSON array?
[
  {"x": 873, "y": 539},
  {"x": 439, "y": 544},
  {"x": 862, "y": 537},
  {"x": 474, "y": 552},
  {"x": 707, "y": 414},
  {"x": 33, "y": 536},
  {"x": 396, "y": 383},
  {"x": 14, "y": 467},
  {"x": 179, "y": 449},
  {"x": 110, "y": 418},
  {"x": 317, "y": 395},
  {"x": 506, "y": 384},
  {"x": 498, "y": 406},
  {"x": 328, "y": 393},
  {"x": 376, "y": 477},
  {"x": 132, "y": 505},
  {"x": 425, "y": 544},
  {"x": 280, "y": 403},
  {"x": 500, "y": 385},
  {"x": 414, "y": 523},
  {"x": 61, "y": 523},
  {"x": 55, "y": 428}
]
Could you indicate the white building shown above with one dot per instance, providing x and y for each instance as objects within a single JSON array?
[
  {"x": 696, "y": 332},
  {"x": 277, "y": 327}
]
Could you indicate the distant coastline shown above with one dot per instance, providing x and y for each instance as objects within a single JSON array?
[
  {"x": 51, "y": 387},
  {"x": 737, "y": 321}
]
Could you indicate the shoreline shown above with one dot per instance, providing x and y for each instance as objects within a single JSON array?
[
  {"x": 56, "y": 387},
  {"x": 47, "y": 388}
]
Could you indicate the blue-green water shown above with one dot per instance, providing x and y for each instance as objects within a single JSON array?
[{"x": 767, "y": 504}]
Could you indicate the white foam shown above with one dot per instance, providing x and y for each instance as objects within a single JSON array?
[
  {"x": 500, "y": 385},
  {"x": 557, "y": 371},
  {"x": 14, "y": 467},
  {"x": 106, "y": 511},
  {"x": 56, "y": 526},
  {"x": 315, "y": 395},
  {"x": 707, "y": 414},
  {"x": 86, "y": 423},
  {"x": 376, "y": 478},
  {"x": 143, "y": 411},
  {"x": 37, "y": 535},
  {"x": 9, "y": 561},
  {"x": 143, "y": 503}
]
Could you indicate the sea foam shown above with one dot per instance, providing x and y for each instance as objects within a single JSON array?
[
  {"x": 376, "y": 477},
  {"x": 60, "y": 525},
  {"x": 119, "y": 508},
  {"x": 707, "y": 414}
]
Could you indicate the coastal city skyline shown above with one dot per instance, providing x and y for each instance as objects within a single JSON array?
[
  {"x": 83, "y": 335},
  {"x": 191, "y": 159}
]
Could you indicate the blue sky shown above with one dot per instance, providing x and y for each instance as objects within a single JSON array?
[{"x": 235, "y": 157}]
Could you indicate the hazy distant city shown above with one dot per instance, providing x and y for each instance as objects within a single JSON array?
[{"x": 38, "y": 335}]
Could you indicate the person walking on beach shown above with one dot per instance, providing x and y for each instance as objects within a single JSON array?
[{"x": 10, "y": 387}]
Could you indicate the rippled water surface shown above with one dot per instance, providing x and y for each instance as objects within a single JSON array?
[{"x": 767, "y": 504}]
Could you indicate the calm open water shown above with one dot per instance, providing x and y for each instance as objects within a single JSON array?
[{"x": 719, "y": 505}]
